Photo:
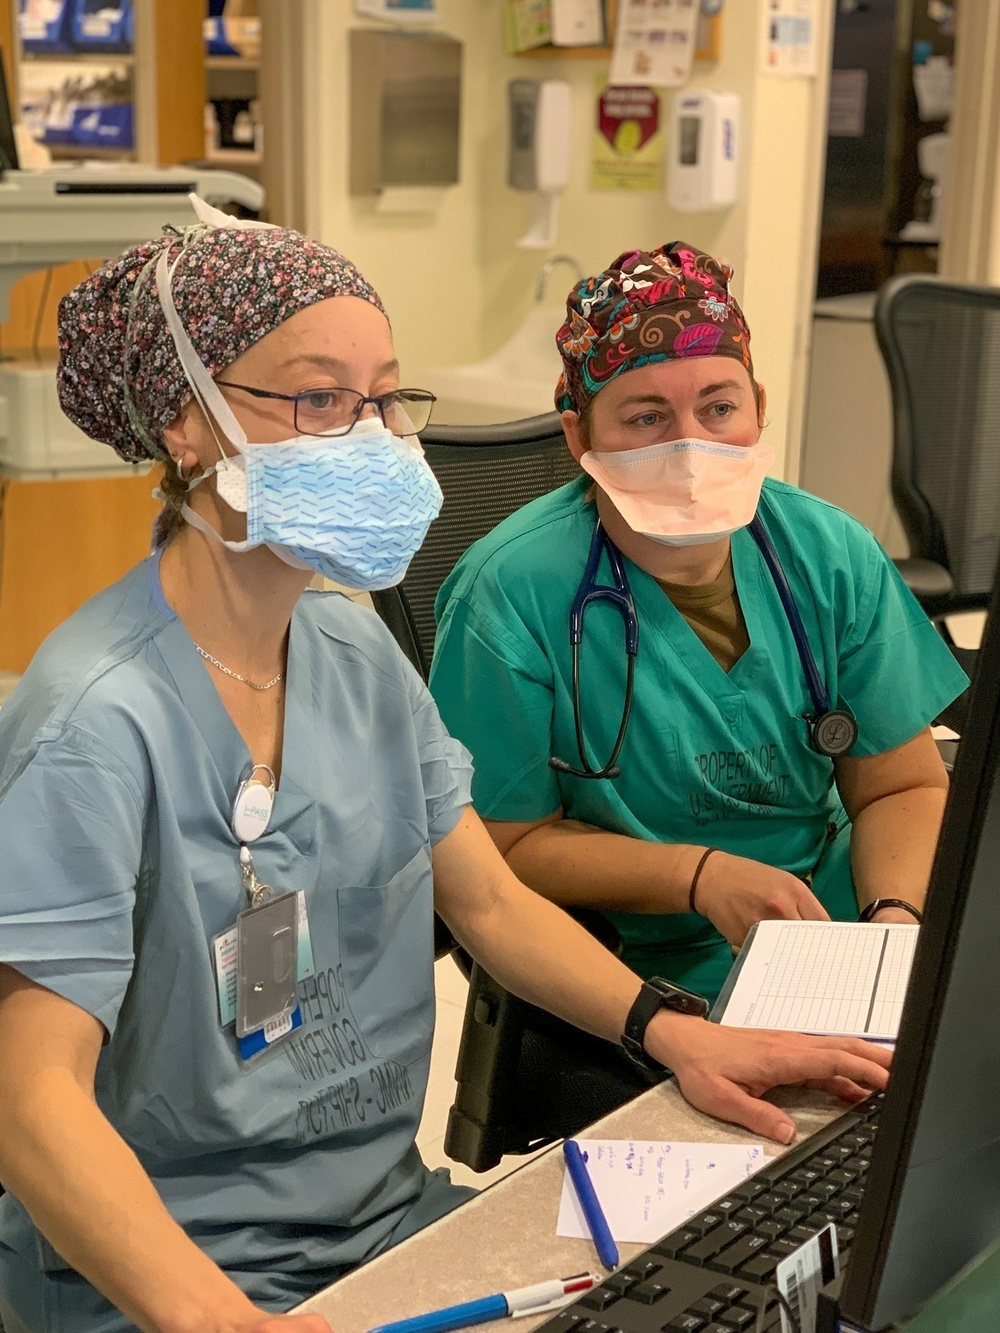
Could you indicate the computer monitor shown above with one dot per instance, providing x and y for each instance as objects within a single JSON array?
[
  {"x": 932, "y": 1198},
  {"x": 8, "y": 145}
]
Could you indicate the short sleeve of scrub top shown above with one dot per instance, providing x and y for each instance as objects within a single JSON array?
[{"x": 71, "y": 822}]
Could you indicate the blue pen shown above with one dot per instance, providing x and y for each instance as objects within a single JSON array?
[
  {"x": 536, "y": 1299},
  {"x": 576, "y": 1164}
]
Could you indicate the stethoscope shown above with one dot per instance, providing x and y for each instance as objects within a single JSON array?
[{"x": 832, "y": 731}]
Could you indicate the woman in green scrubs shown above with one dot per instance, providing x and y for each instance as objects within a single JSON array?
[
  {"x": 206, "y": 1116},
  {"x": 659, "y": 403}
]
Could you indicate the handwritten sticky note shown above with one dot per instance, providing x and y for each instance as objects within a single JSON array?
[{"x": 646, "y": 1189}]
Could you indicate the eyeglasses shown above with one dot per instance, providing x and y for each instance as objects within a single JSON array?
[{"x": 337, "y": 411}]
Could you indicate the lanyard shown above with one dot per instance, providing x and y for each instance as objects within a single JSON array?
[{"x": 250, "y": 818}]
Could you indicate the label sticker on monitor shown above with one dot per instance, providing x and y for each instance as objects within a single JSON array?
[{"x": 802, "y": 1274}]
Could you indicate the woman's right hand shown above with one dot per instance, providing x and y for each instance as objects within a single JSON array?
[{"x": 734, "y": 893}]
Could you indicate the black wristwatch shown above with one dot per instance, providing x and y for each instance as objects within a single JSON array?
[{"x": 656, "y": 994}]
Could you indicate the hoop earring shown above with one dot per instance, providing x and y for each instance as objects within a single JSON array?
[{"x": 180, "y": 470}]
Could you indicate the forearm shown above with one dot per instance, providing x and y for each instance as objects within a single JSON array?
[
  {"x": 893, "y": 843},
  {"x": 89, "y": 1196},
  {"x": 576, "y": 865}
]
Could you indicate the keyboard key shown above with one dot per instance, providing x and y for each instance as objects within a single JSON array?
[
  {"x": 709, "y": 1306},
  {"x": 564, "y": 1323},
  {"x": 786, "y": 1189},
  {"x": 772, "y": 1202},
  {"x": 675, "y": 1243},
  {"x": 771, "y": 1228},
  {"x": 704, "y": 1222},
  {"x": 648, "y": 1293},
  {"x": 749, "y": 1189},
  {"x": 621, "y": 1282},
  {"x": 809, "y": 1201},
  {"x": 641, "y": 1269},
  {"x": 745, "y": 1248},
  {"x": 784, "y": 1246},
  {"x": 855, "y": 1194},
  {"x": 715, "y": 1241},
  {"x": 728, "y": 1293},
  {"x": 713, "y": 1327},
  {"x": 844, "y": 1175},
  {"x": 599, "y": 1299},
  {"x": 595, "y": 1326},
  {"x": 791, "y": 1214},
  {"x": 804, "y": 1177},
  {"x": 801, "y": 1234},
  {"x": 751, "y": 1214},
  {"x": 738, "y": 1317},
  {"x": 729, "y": 1205},
  {"x": 761, "y": 1267},
  {"x": 845, "y": 1236},
  {"x": 688, "y": 1322}
]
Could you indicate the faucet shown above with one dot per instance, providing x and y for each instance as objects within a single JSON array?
[{"x": 547, "y": 268}]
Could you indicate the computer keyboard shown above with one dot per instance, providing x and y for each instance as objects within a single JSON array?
[{"x": 714, "y": 1273}]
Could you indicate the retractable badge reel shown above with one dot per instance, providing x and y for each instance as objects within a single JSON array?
[{"x": 266, "y": 931}]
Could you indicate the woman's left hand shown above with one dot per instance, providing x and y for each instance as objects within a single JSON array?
[{"x": 726, "y": 1071}]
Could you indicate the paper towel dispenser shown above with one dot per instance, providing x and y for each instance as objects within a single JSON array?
[{"x": 405, "y": 110}]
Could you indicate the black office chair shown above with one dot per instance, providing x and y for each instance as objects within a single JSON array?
[
  {"x": 524, "y": 1077},
  {"x": 941, "y": 344}
]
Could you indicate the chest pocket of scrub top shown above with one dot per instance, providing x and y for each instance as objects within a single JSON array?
[{"x": 387, "y": 954}]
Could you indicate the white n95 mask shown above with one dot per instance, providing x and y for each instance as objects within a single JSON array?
[
  {"x": 354, "y": 508},
  {"x": 683, "y": 492}
]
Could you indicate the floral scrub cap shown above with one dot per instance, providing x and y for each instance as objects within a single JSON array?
[
  {"x": 648, "y": 306},
  {"x": 120, "y": 379}
]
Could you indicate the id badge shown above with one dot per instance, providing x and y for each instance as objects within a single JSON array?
[{"x": 267, "y": 963}]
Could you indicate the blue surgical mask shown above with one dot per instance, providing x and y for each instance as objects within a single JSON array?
[{"x": 354, "y": 508}]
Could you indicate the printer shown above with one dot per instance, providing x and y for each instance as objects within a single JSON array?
[{"x": 81, "y": 212}]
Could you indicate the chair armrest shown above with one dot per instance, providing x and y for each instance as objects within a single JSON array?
[{"x": 926, "y": 579}]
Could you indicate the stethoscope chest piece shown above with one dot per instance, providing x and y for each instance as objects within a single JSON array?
[{"x": 834, "y": 732}]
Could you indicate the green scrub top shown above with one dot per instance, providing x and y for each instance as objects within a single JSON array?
[
  {"x": 710, "y": 758},
  {"x": 119, "y": 766}
]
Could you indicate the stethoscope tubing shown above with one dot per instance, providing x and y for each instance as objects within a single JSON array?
[
  {"x": 620, "y": 594},
  {"x": 817, "y": 690}
]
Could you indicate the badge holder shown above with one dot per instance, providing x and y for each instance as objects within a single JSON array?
[{"x": 260, "y": 961}]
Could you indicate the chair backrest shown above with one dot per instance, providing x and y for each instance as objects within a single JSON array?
[
  {"x": 486, "y": 473},
  {"x": 941, "y": 345}
]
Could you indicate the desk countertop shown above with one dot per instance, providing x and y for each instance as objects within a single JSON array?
[{"x": 506, "y": 1236}]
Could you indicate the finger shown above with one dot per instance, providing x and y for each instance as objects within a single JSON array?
[
  {"x": 728, "y": 1101},
  {"x": 844, "y": 1088},
  {"x": 865, "y": 1050},
  {"x": 820, "y": 1063},
  {"x": 809, "y": 906}
]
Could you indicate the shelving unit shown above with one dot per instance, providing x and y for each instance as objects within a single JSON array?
[
  {"x": 230, "y": 81},
  {"x": 62, "y": 541}
]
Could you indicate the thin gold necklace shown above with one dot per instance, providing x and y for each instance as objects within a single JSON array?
[{"x": 235, "y": 674}]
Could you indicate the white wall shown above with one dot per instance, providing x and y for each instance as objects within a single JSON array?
[{"x": 456, "y": 285}]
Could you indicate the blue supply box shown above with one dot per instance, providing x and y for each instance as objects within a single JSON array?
[{"x": 61, "y": 27}]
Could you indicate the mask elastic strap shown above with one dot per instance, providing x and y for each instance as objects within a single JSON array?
[
  {"x": 196, "y": 521},
  {"x": 204, "y": 388}
]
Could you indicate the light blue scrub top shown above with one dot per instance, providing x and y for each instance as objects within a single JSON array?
[
  {"x": 118, "y": 770},
  {"x": 711, "y": 758}
]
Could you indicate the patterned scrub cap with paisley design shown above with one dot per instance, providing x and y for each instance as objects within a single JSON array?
[
  {"x": 648, "y": 306},
  {"x": 120, "y": 378}
]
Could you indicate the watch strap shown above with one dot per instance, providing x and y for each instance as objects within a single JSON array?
[{"x": 656, "y": 994}]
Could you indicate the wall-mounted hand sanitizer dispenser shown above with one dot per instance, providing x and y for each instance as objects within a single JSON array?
[
  {"x": 541, "y": 140},
  {"x": 704, "y": 151}
]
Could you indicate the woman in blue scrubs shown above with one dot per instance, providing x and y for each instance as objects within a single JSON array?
[
  {"x": 726, "y": 811},
  {"x": 228, "y": 809}
]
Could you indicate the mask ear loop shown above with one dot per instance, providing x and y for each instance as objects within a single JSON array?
[{"x": 206, "y": 391}]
